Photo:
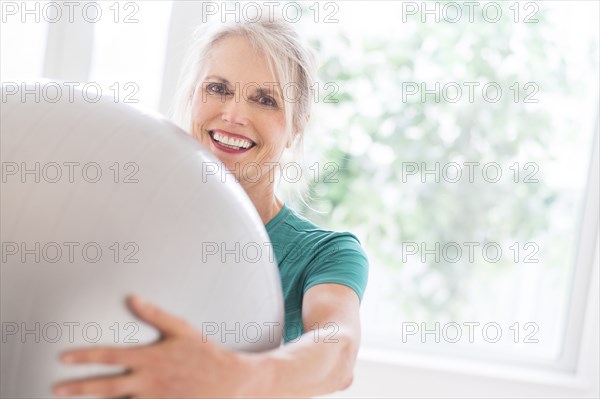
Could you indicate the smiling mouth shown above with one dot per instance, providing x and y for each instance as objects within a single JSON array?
[{"x": 229, "y": 143}]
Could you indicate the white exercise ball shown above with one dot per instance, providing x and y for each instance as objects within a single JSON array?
[{"x": 100, "y": 200}]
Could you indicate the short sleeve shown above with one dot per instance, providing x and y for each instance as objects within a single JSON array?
[{"x": 341, "y": 260}]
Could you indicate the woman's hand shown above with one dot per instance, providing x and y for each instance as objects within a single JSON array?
[{"x": 183, "y": 364}]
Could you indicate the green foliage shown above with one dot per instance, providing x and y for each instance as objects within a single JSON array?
[{"x": 374, "y": 133}]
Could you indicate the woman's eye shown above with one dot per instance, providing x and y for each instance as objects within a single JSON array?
[
  {"x": 217, "y": 88},
  {"x": 267, "y": 101}
]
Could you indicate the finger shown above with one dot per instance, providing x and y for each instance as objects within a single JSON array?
[
  {"x": 168, "y": 324},
  {"x": 102, "y": 355},
  {"x": 105, "y": 387}
]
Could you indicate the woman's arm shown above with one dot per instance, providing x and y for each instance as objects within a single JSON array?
[
  {"x": 185, "y": 364},
  {"x": 322, "y": 360}
]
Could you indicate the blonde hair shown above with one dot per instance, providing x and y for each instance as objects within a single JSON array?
[{"x": 293, "y": 64}]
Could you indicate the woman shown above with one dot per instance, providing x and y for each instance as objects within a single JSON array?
[{"x": 246, "y": 97}]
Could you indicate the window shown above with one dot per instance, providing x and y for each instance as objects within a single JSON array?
[
  {"x": 23, "y": 40},
  {"x": 128, "y": 55},
  {"x": 459, "y": 153},
  {"x": 128, "y": 41}
]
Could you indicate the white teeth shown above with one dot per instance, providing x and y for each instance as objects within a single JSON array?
[{"x": 231, "y": 141}]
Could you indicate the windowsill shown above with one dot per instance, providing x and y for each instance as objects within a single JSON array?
[{"x": 474, "y": 368}]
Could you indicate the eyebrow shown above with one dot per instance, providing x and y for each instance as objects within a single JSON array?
[
  {"x": 261, "y": 90},
  {"x": 215, "y": 77}
]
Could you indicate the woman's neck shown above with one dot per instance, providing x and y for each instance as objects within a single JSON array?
[{"x": 266, "y": 203}]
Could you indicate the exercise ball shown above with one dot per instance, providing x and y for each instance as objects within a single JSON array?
[{"x": 100, "y": 200}]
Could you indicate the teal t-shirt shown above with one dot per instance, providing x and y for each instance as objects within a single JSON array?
[{"x": 308, "y": 255}]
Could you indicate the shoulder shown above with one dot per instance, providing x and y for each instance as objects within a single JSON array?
[
  {"x": 291, "y": 228},
  {"x": 325, "y": 256}
]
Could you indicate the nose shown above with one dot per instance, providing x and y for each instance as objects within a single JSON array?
[{"x": 235, "y": 112}]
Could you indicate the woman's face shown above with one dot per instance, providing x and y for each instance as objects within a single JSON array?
[{"x": 237, "y": 109}]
